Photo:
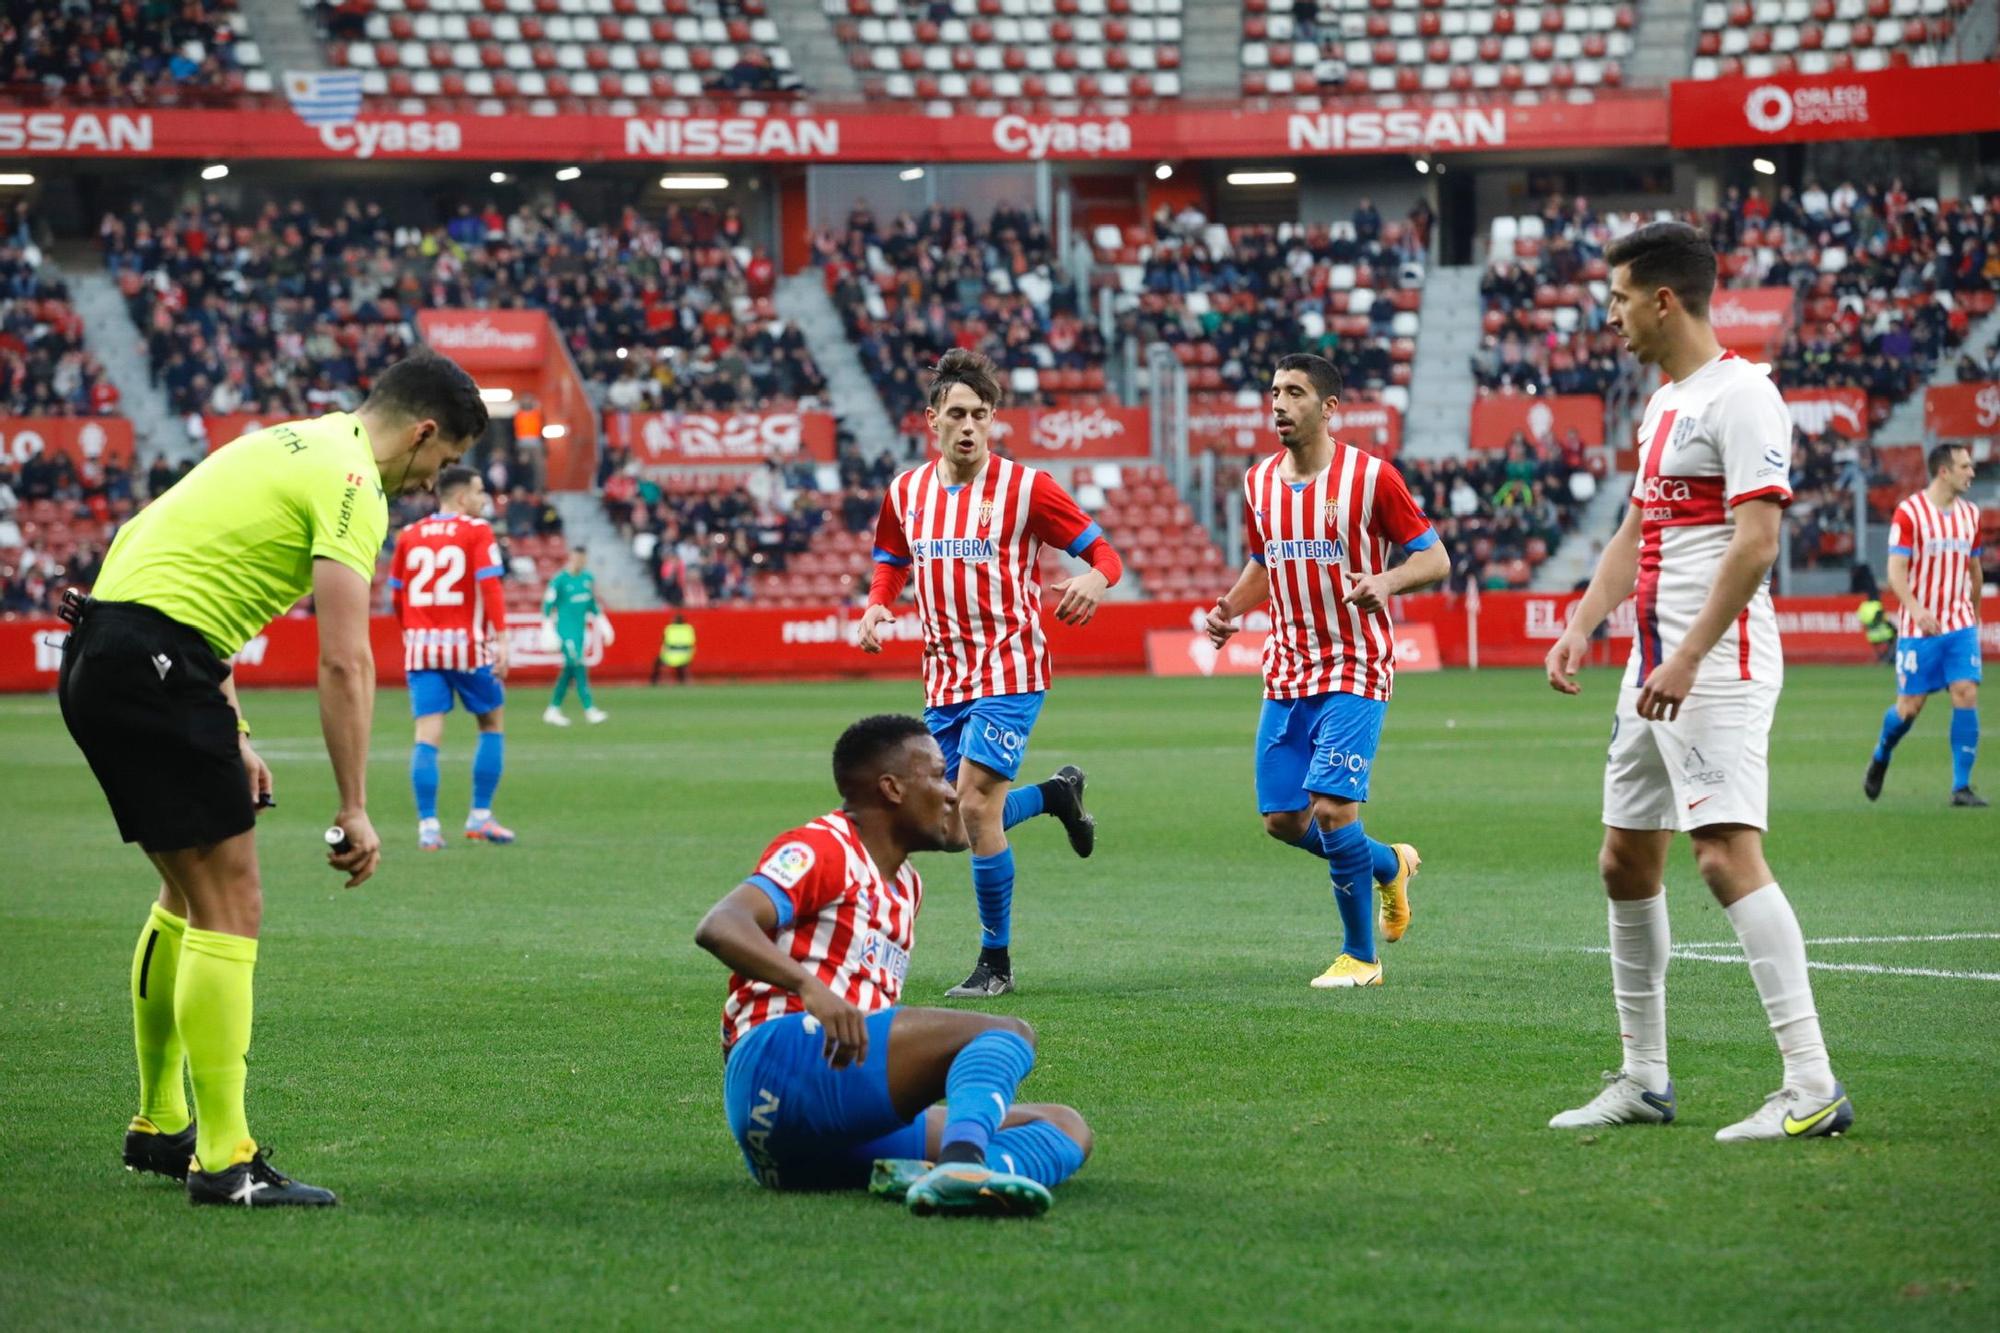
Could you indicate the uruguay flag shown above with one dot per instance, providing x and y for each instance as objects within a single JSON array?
[{"x": 325, "y": 97}]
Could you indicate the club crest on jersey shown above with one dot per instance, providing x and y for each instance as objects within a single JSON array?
[
  {"x": 1683, "y": 429},
  {"x": 985, "y": 514}
]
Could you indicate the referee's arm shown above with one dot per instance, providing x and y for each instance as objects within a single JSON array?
[{"x": 347, "y": 706}]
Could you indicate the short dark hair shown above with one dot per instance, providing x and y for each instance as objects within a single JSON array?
[
  {"x": 962, "y": 365},
  {"x": 456, "y": 478},
  {"x": 1939, "y": 458},
  {"x": 861, "y": 749},
  {"x": 1673, "y": 255},
  {"x": 425, "y": 384},
  {"x": 1325, "y": 376}
]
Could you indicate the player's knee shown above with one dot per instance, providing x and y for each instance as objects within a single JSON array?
[
  {"x": 1287, "y": 826},
  {"x": 1909, "y": 706},
  {"x": 1330, "y": 814},
  {"x": 1623, "y": 870},
  {"x": 1964, "y": 694},
  {"x": 1071, "y": 1122},
  {"x": 1020, "y": 1027}
]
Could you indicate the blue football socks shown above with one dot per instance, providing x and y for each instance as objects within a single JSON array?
[
  {"x": 1964, "y": 745},
  {"x": 1352, "y": 867},
  {"x": 978, "y": 1089},
  {"x": 424, "y": 779},
  {"x": 1894, "y": 728},
  {"x": 1023, "y": 803},
  {"x": 993, "y": 886},
  {"x": 1039, "y": 1151},
  {"x": 1382, "y": 860},
  {"x": 487, "y": 763}
]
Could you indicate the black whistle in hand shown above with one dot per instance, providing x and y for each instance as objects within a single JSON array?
[{"x": 337, "y": 841}]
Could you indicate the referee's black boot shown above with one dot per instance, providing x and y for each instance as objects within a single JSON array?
[
  {"x": 1062, "y": 796},
  {"x": 149, "y": 1148},
  {"x": 255, "y": 1184}
]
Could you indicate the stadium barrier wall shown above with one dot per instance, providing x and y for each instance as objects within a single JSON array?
[{"x": 1511, "y": 629}]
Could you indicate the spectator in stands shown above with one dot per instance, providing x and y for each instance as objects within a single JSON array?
[{"x": 1367, "y": 222}]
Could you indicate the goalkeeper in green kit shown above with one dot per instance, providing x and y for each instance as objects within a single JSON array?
[{"x": 568, "y": 608}]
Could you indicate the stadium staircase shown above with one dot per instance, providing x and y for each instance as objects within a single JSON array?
[
  {"x": 286, "y": 35},
  {"x": 1574, "y": 560},
  {"x": 1906, "y": 422},
  {"x": 111, "y": 337},
  {"x": 1664, "y": 42},
  {"x": 816, "y": 51},
  {"x": 623, "y": 581},
  {"x": 1441, "y": 384},
  {"x": 1211, "y": 50},
  {"x": 802, "y": 300}
]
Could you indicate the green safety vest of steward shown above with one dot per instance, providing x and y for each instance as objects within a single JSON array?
[
  {"x": 677, "y": 648},
  {"x": 1875, "y": 621}
]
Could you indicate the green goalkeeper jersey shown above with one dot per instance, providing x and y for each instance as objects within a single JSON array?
[{"x": 571, "y": 600}]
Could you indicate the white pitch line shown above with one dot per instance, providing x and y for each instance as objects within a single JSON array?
[{"x": 1693, "y": 954}]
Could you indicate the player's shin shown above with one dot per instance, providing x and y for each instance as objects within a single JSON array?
[
  {"x": 424, "y": 779},
  {"x": 155, "y": 969},
  {"x": 1894, "y": 727},
  {"x": 1352, "y": 867},
  {"x": 1023, "y": 803},
  {"x": 1776, "y": 951},
  {"x": 1039, "y": 1151},
  {"x": 488, "y": 762},
  {"x": 978, "y": 1089},
  {"x": 1964, "y": 746},
  {"x": 1640, "y": 944},
  {"x": 212, "y": 1008},
  {"x": 993, "y": 888}
]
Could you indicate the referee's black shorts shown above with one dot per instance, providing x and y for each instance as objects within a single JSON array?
[{"x": 142, "y": 695}]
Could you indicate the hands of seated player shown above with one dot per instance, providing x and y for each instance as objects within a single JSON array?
[
  {"x": 1666, "y": 689},
  {"x": 1370, "y": 592},
  {"x": 1220, "y": 624},
  {"x": 846, "y": 1027},
  {"x": 1565, "y": 659},
  {"x": 364, "y": 851},
  {"x": 872, "y": 620},
  {"x": 1081, "y": 596},
  {"x": 260, "y": 776}
]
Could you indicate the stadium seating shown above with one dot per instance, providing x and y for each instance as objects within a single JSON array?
[
  {"x": 129, "y": 54},
  {"x": 1154, "y": 531},
  {"x": 545, "y": 56},
  {"x": 44, "y": 367},
  {"x": 1014, "y": 51},
  {"x": 1408, "y": 46},
  {"x": 1738, "y": 37}
]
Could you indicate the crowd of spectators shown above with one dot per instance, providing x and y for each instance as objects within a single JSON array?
[
  {"x": 120, "y": 52},
  {"x": 1975, "y": 366},
  {"x": 276, "y": 309},
  {"x": 911, "y": 289},
  {"x": 1503, "y": 512},
  {"x": 45, "y": 369},
  {"x": 57, "y": 519},
  {"x": 707, "y": 540}
]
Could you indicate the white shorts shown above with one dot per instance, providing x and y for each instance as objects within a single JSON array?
[{"x": 1711, "y": 765}]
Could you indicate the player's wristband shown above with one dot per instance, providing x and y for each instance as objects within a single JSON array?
[{"x": 242, "y": 725}]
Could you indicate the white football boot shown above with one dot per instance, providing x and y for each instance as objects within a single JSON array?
[
  {"x": 1791, "y": 1114},
  {"x": 1624, "y": 1101}
]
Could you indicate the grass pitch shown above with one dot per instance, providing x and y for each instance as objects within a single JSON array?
[{"x": 505, "y": 1059}]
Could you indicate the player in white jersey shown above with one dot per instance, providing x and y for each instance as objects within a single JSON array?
[
  {"x": 1692, "y": 728},
  {"x": 1934, "y": 572},
  {"x": 969, "y": 527}
]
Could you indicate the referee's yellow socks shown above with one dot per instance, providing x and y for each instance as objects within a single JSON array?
[
  {"x": 212, "y": 1009},
  {"x": 155, "y": 965}
]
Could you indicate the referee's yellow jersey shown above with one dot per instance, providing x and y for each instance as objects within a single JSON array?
[{"x": 232, "y": 545}]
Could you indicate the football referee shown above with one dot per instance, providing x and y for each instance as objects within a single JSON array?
[{"x": 146, "y": 692}]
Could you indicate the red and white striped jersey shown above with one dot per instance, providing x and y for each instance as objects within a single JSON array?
[
  {"x": 1941, "y": 547},
  {"x": 1312, "y": 537},
  {"x": 837, "y": 916},
  {"x": 976, "y": 549},
  {"x": 1715, "y": 440},
  {"x": 446, "y": 580}
]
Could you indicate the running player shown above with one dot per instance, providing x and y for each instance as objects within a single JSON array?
[
  {"x": 826, "y": 1079},
  {"x": 294, "y": 509},
  {"x": 1692, "y": 729},
  {"x": 446, "y": 581},
  {"x": 1934, "y": 572},
  {"x": 973, "y": 526},
  {"x": 568, "y": 609},
  {"x": 1322, "y": 517}
]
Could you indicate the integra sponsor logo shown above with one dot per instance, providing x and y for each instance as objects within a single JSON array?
[
  {"x": 74, "y": 132},
  {"x": 366, "y": 138},
  {"x": 953, "y": 548},
  {"x": 1317, "y": 548}
]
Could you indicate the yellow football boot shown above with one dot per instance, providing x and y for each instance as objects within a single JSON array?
[
  {"x": 1347, "y": 970},
  {"x": 1395, "y": 894}
]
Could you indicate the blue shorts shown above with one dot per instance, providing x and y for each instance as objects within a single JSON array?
[
  {"x": 1927, "y": 665},
  {"x": 1322, "y": 744},
  {"x": 432, "y": 691},
  {"x": 991, "y": 732},
  {"x": 801, "y": 1123}
]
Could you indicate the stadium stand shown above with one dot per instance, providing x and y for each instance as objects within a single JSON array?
[
  {"x": 556, "y": 55},
  {"x": 1501, "y": 515},
  {"x": 1407, "y": 46},
  {"x": 1019, "y": 51},
  {"x": 1739, "y": 38},
  {"x": 129, "y": 53},
  {"x": 45, "y": 370}
]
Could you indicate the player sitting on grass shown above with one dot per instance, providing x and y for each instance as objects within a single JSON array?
[{"x": 827, "y": 1080}]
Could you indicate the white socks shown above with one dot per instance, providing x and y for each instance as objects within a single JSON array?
[
  {"x": 1776, "y": 949},
  {"x": 1639, "y": 945}
]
